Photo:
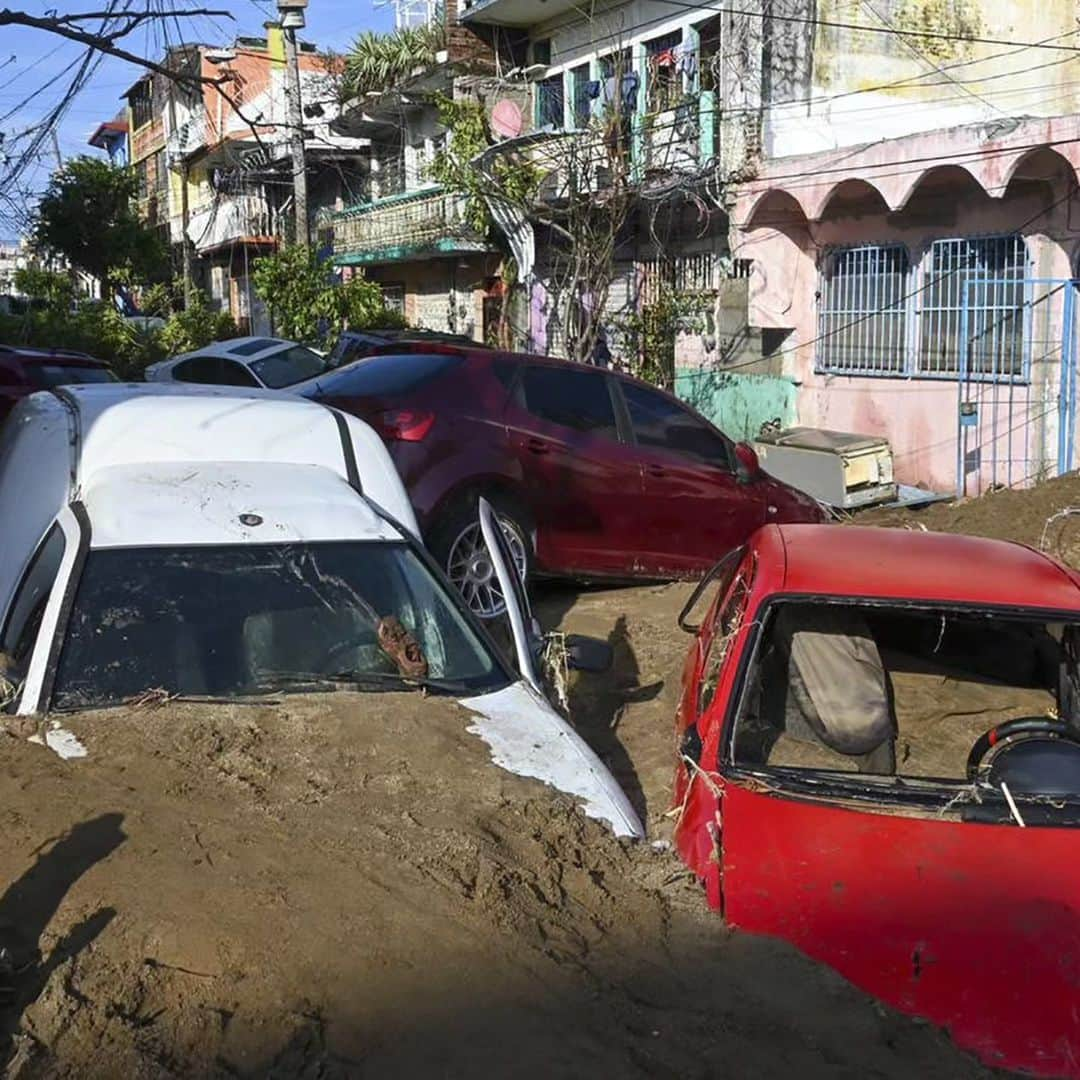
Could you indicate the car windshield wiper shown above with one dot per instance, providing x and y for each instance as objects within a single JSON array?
[{"x": 297, "y": 681}]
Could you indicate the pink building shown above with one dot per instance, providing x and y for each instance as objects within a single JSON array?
[{"x": 926, "y": 283}]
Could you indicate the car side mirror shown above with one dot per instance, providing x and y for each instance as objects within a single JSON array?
[
  {"x": 747, "y": 466},
  {"x": 588, "y": 654}
]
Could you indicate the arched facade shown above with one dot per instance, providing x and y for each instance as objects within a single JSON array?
[{"x": 923, "y": 279}]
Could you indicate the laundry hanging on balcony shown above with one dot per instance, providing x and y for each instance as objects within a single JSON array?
[{"x": 686, "y": 59}]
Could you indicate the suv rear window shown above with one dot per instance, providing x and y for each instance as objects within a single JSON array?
[
  {"x": 49, "y": 375},
  {"x": 384, "y": 375}
]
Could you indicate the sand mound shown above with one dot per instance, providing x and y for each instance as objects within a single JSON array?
[{"x": 343, "y": 885}]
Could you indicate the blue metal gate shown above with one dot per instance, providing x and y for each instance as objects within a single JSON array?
[{"x": 1017, "y": 383}]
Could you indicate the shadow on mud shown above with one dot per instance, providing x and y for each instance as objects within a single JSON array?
[
  {"x": 597, "y": 699},
  {"x": 29, "y": 904}
]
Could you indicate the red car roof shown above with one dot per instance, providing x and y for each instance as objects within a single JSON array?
[{"x": 906, "y": 564}]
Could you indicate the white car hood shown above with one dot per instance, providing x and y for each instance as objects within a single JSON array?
[{"x": 529, "y": 738}]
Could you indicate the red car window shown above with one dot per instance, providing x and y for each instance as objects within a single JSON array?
[
  {"x": 728, "y": 622},
  {"x": 579, "y": 400},
  {"x": 659, "y": 422}
]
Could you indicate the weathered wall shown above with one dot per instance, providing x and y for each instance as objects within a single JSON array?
[
  {"x": 740, "y": 405},
  {"x": 918, "y": 414},
  {"x": 865, "y": 86},
  {"x": 440, "y": 294}
]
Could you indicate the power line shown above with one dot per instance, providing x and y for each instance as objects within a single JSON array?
[
  {"x": 920, "y": 35},
  {"x": 929, "y": 283}
]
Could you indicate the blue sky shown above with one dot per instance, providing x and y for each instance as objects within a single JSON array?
[{"x": 30, "y": 58}]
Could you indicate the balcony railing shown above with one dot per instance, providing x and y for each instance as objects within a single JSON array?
[
  {"x": 231, "y": 217},
  {"x": 404, "y": 225}
]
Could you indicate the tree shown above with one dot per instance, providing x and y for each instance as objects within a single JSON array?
[
  {"x": 577, "y": 189},
  {"x": 88, "y": 216},
  {"x": 48, "y": 285},
  {"x": 307, "y": 303}
]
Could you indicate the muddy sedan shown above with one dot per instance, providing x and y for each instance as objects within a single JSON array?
[{"x": 879, "y": 761}]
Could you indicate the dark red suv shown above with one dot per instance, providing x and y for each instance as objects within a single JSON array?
[
  {"x": 594, "y": 474},
  {"x": 24, "y": 370}
]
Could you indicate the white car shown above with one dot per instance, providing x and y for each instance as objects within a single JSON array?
[
  {"x": 229, "y": 543},
  {"x": 273, "y": 363}
]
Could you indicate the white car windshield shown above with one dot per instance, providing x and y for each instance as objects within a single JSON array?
[
  {"x": 235, "y": 620},
  {"x": 289, "y": 366}
]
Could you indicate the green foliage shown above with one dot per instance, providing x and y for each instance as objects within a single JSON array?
[
  {"x": 380, "y": 61},
  {"x": 87, "y": 214},
  {"x": 162, "y": 299},
  {"x": 511, "y": 178},
  {"x": 48, "y": 285},
  {"x": 97, "y": 329},
  {"x": 100, "y": 330},
  {"x": 648, "y": 336},
  {"x": 187, "y": 330},
  {"x": 308, "y": 305}
]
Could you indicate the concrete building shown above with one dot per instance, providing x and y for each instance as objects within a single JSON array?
[
  {"x": 912, "y": 234},
  {"x": 404, "y": 231},
  {"x": 212, "y": 156},
  {"x": 873, "y": 200}
]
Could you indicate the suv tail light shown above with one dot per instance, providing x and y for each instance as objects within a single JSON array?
[{"x": 404, "y": 425}]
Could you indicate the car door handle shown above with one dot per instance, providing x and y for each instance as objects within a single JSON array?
[{"x": 537, "y": 446}]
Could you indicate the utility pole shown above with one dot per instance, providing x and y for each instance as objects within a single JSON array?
[
  {"x": 181, "y": 154},
  {"x": 292, "y": 19}
]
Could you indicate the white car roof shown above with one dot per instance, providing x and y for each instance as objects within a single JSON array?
[
  {"x": 184, "y": 503},
  {"x": 55, "y": 442},
  {"x": 241, "y": 349}
]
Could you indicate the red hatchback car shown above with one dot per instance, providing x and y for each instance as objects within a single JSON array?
[
  {"x": 593, "y": 474},
  {"x": 24, "y": 370},
  {"x": 880, "y": 762}
]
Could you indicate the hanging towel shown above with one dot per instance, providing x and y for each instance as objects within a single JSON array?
[
  {"x": 592, "y": 89},
  {"x": 665, "y": 59},
  {"x": 630, "y": 84},
  {"x": 686, "y": 59}
]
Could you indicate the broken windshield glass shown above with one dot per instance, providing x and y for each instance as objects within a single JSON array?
[{"x": 236, "y": 620}]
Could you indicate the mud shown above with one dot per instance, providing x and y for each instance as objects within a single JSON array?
[
  {"x": 1039, "y": 516},
  {"x": 343, "y": 885}
]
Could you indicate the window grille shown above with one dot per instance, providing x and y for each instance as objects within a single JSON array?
[
  {"x": 664, "y": 81},
  {"x": 877, "y": 317},
  {"x": 987, "y": 274},
  {"x": 550, "y": 102},
  {"x": 142, "y": 105},
  {"x": 862, "y": 310},
  {"x": 393, "y": 297},
  {"x": 582, "y": 103}
]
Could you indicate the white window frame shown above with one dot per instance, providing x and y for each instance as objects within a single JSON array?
[{"x": 921, "y": 320}]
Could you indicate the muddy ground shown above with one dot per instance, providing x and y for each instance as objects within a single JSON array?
[{"x": 343, "y": 885}]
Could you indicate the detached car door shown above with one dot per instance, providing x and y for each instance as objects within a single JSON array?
[
  {"x": 581, "y": 480},
  {"x": 694, "y": 508}
]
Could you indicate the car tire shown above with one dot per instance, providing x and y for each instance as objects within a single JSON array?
[{"x": 458, "y": 547}]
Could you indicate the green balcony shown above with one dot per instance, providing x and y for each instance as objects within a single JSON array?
[{"x": 400, "y": 228}]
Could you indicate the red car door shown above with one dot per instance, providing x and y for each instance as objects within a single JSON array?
[
  {"x": 973, "y": 926},
  {"x": 694, "y": 508},
  {"x": 581, "y": 481},
  {"x": 708, "y": 678}
]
